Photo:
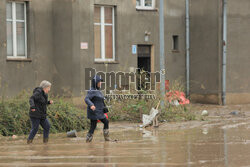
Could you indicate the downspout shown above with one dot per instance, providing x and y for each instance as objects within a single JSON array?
[
  {"x": 162, "y": 51},
  {"x": 224, "y": 58},
  {"x": 187, "y": 49}
]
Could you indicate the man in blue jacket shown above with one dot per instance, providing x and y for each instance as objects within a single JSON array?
[{"x": 95, "y": 102}]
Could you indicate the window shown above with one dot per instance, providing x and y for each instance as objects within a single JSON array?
[
  {"x": 145, "y": 4},
  {"x": 16, "y": 30},
  {"x": 104, "y": 33},
  {"x": 175, "y": 43}
]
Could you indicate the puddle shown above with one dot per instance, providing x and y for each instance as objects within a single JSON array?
[{"x": 218, "y": 144}]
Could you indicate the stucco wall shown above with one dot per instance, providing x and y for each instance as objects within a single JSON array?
[
  {"x": 238, "y": 55},
  {"x": 15, "y": 75},
  {"x": 205, "y": 34},
  {"x": 57, "y": 27}
]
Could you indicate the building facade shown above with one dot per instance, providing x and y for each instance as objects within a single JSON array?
[
  {"x": 206, "y": 51},
  {"x": 60, "y": 38},
  {"x": 57, "y": 39}
]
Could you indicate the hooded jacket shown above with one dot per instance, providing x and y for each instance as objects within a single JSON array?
[
  {"x": 96, "y": 98},
  {"x": 39, "y": 102}
]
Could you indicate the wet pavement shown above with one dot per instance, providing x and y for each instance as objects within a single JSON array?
[{"x": 221, "y": 142}]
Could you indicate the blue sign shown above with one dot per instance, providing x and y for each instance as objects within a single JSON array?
[{"x": 134, "y": 49}]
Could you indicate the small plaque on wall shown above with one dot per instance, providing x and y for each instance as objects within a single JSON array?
[
  {"x": 84, "y": 45},
  {"x": 134, "y": 49}
]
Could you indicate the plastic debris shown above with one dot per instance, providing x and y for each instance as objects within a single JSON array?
[
  {"x": 204, "y": 113},
  {"x": 234, "y": 113},
  {"x": 14, "y": 136},
  {"x": 148, "y": 119},
  {"x": 72, "y": 133},
  {"x": 205, "y": 131}
]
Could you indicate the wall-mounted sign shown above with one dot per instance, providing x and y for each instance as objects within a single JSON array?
[
  {"x": 134, "y": 49},
  {"x": 84, "y": 45}
]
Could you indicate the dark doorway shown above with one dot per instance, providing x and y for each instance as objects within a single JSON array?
[{"x": 144, "y": 62}]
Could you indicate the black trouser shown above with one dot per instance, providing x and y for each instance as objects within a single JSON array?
[
  {"x": 93, "y": 124},
  {"x": 35, "y": 126}
]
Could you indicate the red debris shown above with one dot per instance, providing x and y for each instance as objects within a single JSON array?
[{"x": 177, "y": 95}]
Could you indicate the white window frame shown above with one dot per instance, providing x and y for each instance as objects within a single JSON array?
[
  {"x": 103, "y": 24},
  {"x": 142, "y": 6},
  {"x": 14, "y": 37}
]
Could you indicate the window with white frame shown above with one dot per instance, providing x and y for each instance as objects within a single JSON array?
[
  {"x": 145, "y": 4},
  {"x": 104, "y": 33},
  {"x": 16, "y": 29}
]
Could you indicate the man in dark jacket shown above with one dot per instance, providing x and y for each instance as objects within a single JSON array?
[
  {"x": 95, "y": 102},
  {"x": 38, "y": 111}
]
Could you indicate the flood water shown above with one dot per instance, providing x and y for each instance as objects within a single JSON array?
[{"x": 224, "y": 143}]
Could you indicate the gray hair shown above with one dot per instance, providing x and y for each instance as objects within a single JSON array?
[{"x": 45, "y": 84}]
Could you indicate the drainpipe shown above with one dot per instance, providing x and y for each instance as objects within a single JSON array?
[
  {"x": 162, "y": 51},
  {"x": 187, "y": 49},
  {"x": 224, "y": 63}
]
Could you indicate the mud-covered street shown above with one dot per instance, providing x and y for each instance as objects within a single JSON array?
[{"x": 222, "y": 139}]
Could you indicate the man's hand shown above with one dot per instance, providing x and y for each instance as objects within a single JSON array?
[
  {"x": 92, "y": 107},
  {"x": 33, "y": 110},
  {"x": 51, "y": 101}
]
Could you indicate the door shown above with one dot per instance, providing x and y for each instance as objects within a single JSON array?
[{"x": 144, "y": 61}]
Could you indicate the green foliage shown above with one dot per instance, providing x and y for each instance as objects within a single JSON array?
[
  {"x": 177, "y": 113},
  {"x": 132, "y": 110},
  {"x": 129, "y": 109},
  {"x": 63, "y": 116}
]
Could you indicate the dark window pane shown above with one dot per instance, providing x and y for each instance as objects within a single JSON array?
[
  {"x": 175, "y": 42},
  {"x": 148, "y": 3},
  {"x": 138, "y": 2}
]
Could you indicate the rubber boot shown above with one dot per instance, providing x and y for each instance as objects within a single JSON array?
[
  {"x": 89, "y": 137},
  {"x": 45, "y": 140},
  {"x": 106, "y": 134},
  {"x": 29, "y": 141}
]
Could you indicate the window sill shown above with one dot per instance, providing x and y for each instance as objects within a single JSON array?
[
  {"x": 18, "y": 60},
  {"x": 106, "y": 62},
  {"x": 19, "y": 0},
  {"x": 147, "y": 9}
]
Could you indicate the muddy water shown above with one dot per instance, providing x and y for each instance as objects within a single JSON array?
[{"x": 219, "y": 143}]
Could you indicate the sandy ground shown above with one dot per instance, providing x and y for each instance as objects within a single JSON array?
[{"x": 216, "y": 115}]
